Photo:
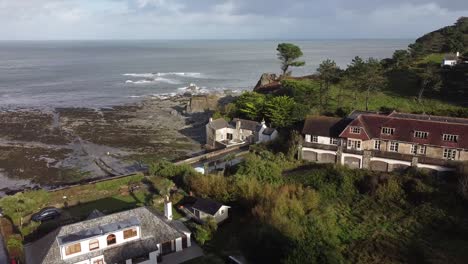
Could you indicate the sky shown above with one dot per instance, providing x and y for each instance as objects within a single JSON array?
[{"x": 224, "y": 19}]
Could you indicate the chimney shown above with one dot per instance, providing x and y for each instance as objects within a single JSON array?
[
  {"x": 211, "y": 119},
  {"x": 167, "y": 208},
  {"x": 238, "y": 124},
  {"x": 458, "y": 54}
]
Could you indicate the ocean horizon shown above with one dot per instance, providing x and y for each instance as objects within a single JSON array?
[{"x": 101, "y": 73}]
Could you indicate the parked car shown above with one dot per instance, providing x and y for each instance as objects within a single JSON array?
[{"x": 46, "y": 214}]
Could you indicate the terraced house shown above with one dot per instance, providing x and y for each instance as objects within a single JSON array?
[{"x": 386, "y": 142}]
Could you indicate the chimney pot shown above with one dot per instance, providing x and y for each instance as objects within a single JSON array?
[{"x": 168, "y": 209}]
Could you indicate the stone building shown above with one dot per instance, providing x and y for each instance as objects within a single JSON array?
[
  {"x": 222, "y": 134},
  {"x": 386, "y": 142}
]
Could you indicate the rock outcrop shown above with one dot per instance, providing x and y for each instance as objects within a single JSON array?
[
  {"x": 202, "y": 103},
  {"x": 266, "y": 79},
  {"x": 268, "y": 83}
]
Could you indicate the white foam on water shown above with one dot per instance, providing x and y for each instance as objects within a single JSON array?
[
  {"x": 155, "y": 80},
  {"x": 162, "y": 74},
  {"x": 140, "y": 75}
]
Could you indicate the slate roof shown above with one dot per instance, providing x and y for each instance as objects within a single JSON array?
[
  {"x": 324, "y": 126},
  {"x": 247, "y": 124},
  {"x": 405, "y": 127},
  {"x": 207, "y": 206},
  {"x": 450, "y": 57},
  {"x": 220, "y": 123},
  {"x": 268, "y": 131},
  {"x": 154, "y": 229}
]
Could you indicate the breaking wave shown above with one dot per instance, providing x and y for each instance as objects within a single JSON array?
[
  {"x": 161, "y": 74},
  {"x": 155, "y": 80}
]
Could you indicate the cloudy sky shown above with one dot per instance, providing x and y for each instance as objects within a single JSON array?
[{"x": 224, "y": 19}]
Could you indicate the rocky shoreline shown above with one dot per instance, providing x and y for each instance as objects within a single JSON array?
[{"x": 50, "y": 148}]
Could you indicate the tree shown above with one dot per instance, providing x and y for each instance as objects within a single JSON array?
[
  {"x": 288, "y": 54},
  {"x": 429, "y": 80},
  {"x": 354, "y": 75},
  {"x": 401, "y": 58},
  {"x": 279, "y": 111},
  {"x": 250, "y": 105},
  {"x": 373, "y": 78},
  {"x": 328, "y": 73}
]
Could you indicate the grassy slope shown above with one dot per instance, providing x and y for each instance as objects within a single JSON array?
[{"x": 381, "y": 100}]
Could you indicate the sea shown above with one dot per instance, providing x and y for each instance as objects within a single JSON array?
[{"x": 48, "y": 74}]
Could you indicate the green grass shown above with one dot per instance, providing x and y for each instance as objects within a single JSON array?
[
  {"x": 434, "y": 58},
  {"x": 381, "y": 100}
]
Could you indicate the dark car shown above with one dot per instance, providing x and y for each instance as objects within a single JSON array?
[{"x": 46, "y": 214}]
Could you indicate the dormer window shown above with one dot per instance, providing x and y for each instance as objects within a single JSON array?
[
  {"x": 111, "y": 240},
  {"x": 388, "y": 130},
  {"x": 93, "y": 244},
  {"x": 450, "y": 138},
  {"x": 129, "y": 233},
  {"x": 421, "y": 134},
  {"x": 73, "y": 249},
  {"x": 355, "y": 130}
]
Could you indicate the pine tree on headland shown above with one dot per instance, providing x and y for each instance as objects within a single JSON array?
[{"x": 289, "y": 54}]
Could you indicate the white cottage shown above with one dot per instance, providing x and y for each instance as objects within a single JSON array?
[
  {"x": 220, "y": 133},
  {"x": 203, "y": 209},
  {"x": 139, "y": 234},
  {"x": 451, "y": 59}
]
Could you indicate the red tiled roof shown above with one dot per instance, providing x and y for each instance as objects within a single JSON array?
[{"x": 404, "y": 130}]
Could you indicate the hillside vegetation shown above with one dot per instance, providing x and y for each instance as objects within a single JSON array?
[
  {"x": 448, "y": 39},
  {"x": 288, "y": 212}
]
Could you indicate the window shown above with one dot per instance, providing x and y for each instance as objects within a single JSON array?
[
  {"x": 129, "y": 233},
  {"x": 93, "y": 244},
  {"x": 356, "y": 130},
  {"x": 73, "y": 249},
  {"x": 111, "y": 240},
  {"x": 393, "y": 146},
  {"x": 422, "y": 150},
  {"x": 315, "y": 139},
  {"x": 377, "y": 144},
  {"x": 388, "y": 131},
  {"x": 354, "y": 144},
  {"x": 421, "y": 134},
  {"x": 450, "y": 154},
  {"x": 414, "y": 149},
  {"x": 451, "y": 138},
  {"x": 229, "y": 136},
  {"x": 333, "y": 141}
]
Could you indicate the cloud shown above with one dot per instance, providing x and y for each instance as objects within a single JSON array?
[{"x": 137, "y": 19}]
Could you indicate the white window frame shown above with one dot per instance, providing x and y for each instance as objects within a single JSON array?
[
  {"x": 355, "y": 130},
  {"x": 393, "y": 146},
  {"x": 450, "y": 138},
  {"x": 422, "y": 150},
  {"x": 388, "y": 130},
  {"x": 377, "y": 144},
  {"x": 354, "y": 144},
  {"x": 450, "y": 154},
  {"x": 421, "y": 134},
  {"x": 414, "y": 149},
  {"x": 334, "y": 141},
  {"x": 314, "y": 139}
]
